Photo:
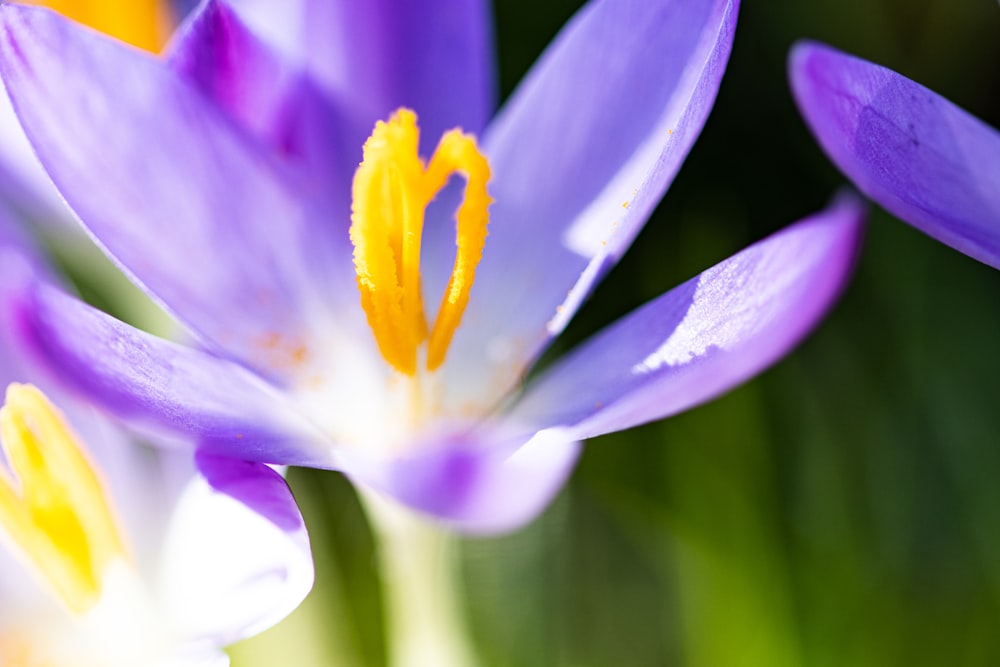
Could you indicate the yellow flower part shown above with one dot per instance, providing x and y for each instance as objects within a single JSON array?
[
  {"x": 392, "y": 188},
  {"x": 143, "y": 23},
  {"x": 53, "y": 505}
]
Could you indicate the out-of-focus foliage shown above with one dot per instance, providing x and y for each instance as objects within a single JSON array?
[{"x": 843, "y": 509}]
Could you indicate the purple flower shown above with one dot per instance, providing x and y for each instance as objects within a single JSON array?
[
  {"x": 118, "y": 555},
  {"x": 919, "y": 156},
  {"x": 222, "y": 179}
]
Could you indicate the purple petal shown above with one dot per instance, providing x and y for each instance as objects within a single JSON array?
[
  {"x": 161, "y": 386},
  {"x": 269, "y": 97},
  {"x": 925, "y": 160},
  {"x": 172, "y": 190},
  {"x": 229, "y": 569},
  {"x": 703, "y": 337},
  {"x": 580, "y": 156},
  {"x": 374, "y": 56},
  {"x": 473, "y": 482},
  {"x": 219, "y": 55}
]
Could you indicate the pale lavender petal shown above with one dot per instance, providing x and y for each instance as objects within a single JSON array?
[
  {"x": 474, "y": 482},
  {"x": 175, "y": 192},
  {"x": 236, "y": 554},
  {"x": 161, "y": 386},
  {"x": 925, "y": 160},
  {"x": 580, "y": 155},
  {"x": 703, "y": 337},
  {"x": 24, "y": 185},
  {"x": 433, "y": 56}
]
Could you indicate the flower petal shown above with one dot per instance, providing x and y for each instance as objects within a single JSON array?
[
  {"x": 171, "y": 189},
  {"x": 703, "y": 337},
  {"x": 581, "y": 154},
  {"x": 276, "y": 102},
  {"x": 915, "y": 153},
  {"x": 473, "y": 482},
  {"x": 433, "y": 56},
  {"x": 159, "y": 385},
  {"x": 24, "y": 185},
  {"x": 217, "y": 53},
  {"x": 236, "y": 555}
]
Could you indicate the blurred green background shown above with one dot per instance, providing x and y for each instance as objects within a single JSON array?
[{"x": 842, "y": 509}]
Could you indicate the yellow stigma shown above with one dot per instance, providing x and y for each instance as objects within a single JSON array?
[
  {"x": 392, "y": 188},
  {"x": 54, "y": 508},
  {"x": 142, "y": 23}
]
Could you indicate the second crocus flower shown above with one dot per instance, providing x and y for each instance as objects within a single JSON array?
[{"x": 115, "y": 554}]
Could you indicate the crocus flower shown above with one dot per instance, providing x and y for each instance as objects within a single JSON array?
[
  {"x": 922, "y": 158},
  {"x": 225, "y": 180},
  {"x": 116, "y": 555}
]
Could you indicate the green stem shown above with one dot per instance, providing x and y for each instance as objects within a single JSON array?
[{"x": 423, "y": 623}]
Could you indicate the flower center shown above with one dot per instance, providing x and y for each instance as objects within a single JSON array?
[
  {"x": 392, "y": 188},
  {"x": 142, "y": 23},
  {"x": 53, "y": 505}
]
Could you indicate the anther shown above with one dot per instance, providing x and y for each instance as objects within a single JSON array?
[{"x": 392, "y": 189}]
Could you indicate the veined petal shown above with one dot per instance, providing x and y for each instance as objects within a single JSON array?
[
  {"x": 162, "y": 386},
  {"x": 236, "y": 555},
  {"x": 434, "y": 56},
  {"x": 167, "y": 185},
  {"x": 474, "y": 482},
  {"x": 922, "y": 158},
  {"x": 703, "y": 337},
  {"x": 578, "y": 165}
]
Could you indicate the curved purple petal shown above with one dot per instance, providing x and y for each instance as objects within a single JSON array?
[
  {"x": 255, "y": 485},
  {"x": 236, "y": 556},
  {"x": 161, "y": 386},
  {"x": 925, "y": 160},
  {"x": 473, "y": 482},
  {"x": 375, "y": 56},
  {"x": 164, "y": 181},
  {"x": 703, "y": 337},
  {"x": 580, "y": 155}
]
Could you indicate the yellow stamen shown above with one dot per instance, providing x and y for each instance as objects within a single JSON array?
[
  {"x": 392, "y": 189},
  {"x": 142, "y": 23},
  {"x": 54, "y": 508}
]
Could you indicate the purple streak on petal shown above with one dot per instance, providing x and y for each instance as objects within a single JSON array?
[
  {"x": 180, "y": 197},
  {"x": 271, "y": 98},
  {"x": 255, "y": 485},
  {"x": 581, "y": 154},
  {"x": 433, "y": 56},
  {"x": 703, "y": 337},
  {"x": 915, "y": 153},
  {"x": 219, "y": 55},
  {"x": 472, "y": 482},
  {"x": 159, "y": 385}
]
